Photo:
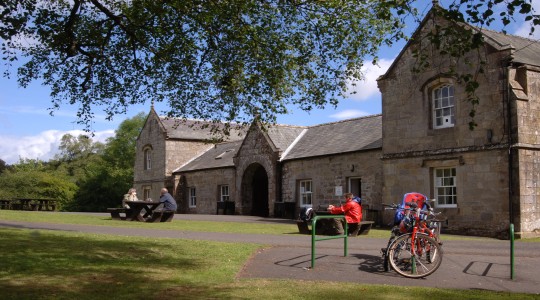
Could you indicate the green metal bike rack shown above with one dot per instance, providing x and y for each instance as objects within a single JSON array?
[{"x": 315, "y": 239}]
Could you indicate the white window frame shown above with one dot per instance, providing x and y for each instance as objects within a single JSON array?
[
  {"x": 224, "y": 193},
  {"x": 305, "y": 189},
  {"x": 444, "y": 106},
  {"x": 445, "y": 187},
  {"x": 146, "y": 192},
  {"x": 192, "y": 197},
  {"x": 148, "y": 158}
]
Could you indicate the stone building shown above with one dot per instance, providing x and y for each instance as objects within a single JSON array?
[
  {"x": 271, "y": 171},
  {"x": 482, "y": 179}
]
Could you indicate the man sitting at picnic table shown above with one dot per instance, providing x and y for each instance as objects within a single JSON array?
[
  {"x": 169, "y": 204},
  {"x": 353, "y": 216}
]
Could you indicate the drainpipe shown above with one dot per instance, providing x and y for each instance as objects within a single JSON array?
[{"x": 506, "y": 95}]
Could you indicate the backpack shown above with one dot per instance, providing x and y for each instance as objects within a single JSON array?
[
  {"x": 420, "y": 199},
  {"x": 357, "y": 200}
]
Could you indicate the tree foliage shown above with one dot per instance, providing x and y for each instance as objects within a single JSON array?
[
  {"x": 108, "y": 178},
  {"x": 84, "y": 176},
  {"x": 121, "y": 149},
  {"x": 226, "y": 60},
  {"x": 214, "y": 60},
  {"x": 36, "y": 179}
]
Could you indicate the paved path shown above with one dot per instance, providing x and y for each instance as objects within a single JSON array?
[{"x": 475, "y": 264}]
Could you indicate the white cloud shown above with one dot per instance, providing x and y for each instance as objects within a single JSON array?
[
  {"x": 42, "y": 146},
  {"x": 366, "y": 89},
  {"x": 349, "y": 114}
]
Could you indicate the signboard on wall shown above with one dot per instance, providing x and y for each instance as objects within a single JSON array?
[{"x": 338, "y": 190}]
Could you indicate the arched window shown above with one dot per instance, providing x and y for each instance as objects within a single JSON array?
[
  {"x": 147, "y": 158},
  {"x": 443, "y": 106}
]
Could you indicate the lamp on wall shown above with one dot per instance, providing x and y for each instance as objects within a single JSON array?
[{"x": 352, "y": 167}]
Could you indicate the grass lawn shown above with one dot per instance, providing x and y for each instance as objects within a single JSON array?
[
  {"x": 43, "y": 264},
  {"x": 183, "y": 225}
]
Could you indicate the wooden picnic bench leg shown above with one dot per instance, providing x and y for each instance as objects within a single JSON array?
[{"x": 167, "y": 216}]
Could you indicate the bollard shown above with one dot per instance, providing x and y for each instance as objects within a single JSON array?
[{"x": 512, "y": 275}]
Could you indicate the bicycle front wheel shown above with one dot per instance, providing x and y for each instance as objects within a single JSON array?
[{"x": 425, "y": 260}]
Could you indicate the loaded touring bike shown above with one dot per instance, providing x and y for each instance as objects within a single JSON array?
[{"x": 414, "y": 249}]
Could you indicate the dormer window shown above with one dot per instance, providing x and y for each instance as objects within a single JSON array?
[{"x": 443, "y": 107}]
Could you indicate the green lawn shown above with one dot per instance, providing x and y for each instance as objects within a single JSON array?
[
  {"x": 43, "y": 264},
  {"x": 232, "y": 227}
]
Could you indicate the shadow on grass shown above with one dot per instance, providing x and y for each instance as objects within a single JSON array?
[{"x": 52, "y": 265}]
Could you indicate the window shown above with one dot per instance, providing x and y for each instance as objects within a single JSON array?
[
  {"x": 306, "y": 193},
  {"x": 224, "y": 193},
  {"x": 445, "y": 187},
  {"x": 443, "y": 107},
  {"x": 148, "y": 159},
  {"x": 146, "y": 192},
  {"x": 192, "y": 197}
]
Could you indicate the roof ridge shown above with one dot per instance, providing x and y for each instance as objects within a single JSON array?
[
  {"x": 347, "y": 120},
  {"x": 288, "y": 125},
  {"x": 481, "y": 29}
]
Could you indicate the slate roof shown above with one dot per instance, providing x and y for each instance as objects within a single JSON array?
[
  {"x": 297, "y": 142},
  {"x": 283, "y": 135},
  {"x": 196, "y": 130},
  {"x": 526, "y": 51},
  {"x": 218, "y": 156},
  {"x": 340, "y": 137}
]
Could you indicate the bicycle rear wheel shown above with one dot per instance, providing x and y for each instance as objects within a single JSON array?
[{"x": 426, "y": 259}]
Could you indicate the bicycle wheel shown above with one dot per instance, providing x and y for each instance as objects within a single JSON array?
[
  {"x": 426, "y": 259},
  {"x": 394, "y": 232}
]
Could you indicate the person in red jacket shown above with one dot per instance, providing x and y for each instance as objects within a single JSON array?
[{"x": 353, "y": 215}]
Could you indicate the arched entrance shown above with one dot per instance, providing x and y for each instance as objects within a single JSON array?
[{"x": 255, "y": 191}]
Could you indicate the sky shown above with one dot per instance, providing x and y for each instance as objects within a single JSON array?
[{"x": 28, "y": 131}]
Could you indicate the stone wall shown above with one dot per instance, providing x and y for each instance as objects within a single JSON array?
[
  {"x": 482, "y": 189},
  {"x": 167, "y": 155},
  {"x": 256, "y": 150},
  {"x": 330, "y": 171},
  {"x": 412, "y": 147},
  {"x": 527, "y": 150},
  {"x": 207, "y": 184}
]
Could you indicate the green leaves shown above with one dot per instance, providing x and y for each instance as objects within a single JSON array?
[{"x": 216, "y": 60}]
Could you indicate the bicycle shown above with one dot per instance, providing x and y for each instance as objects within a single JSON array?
[{"x": 414, "y": 248}]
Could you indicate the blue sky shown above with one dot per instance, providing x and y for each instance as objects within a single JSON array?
[{"x": 28, "y": 131}]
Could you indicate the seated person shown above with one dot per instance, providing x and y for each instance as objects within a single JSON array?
[
  {"x": 353, "y": 216},
  {"x": 167, "y": 204},
  {"x": 130, "y": 196}
]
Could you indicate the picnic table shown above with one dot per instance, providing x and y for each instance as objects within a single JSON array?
[
  {"x": 325, "y": 225},
  {"x": 142, "y": 211},
  {"x": 33, "y": 204},
  {"x": 5, "y": 204}
]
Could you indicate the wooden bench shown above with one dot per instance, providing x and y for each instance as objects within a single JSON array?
[
  {"x": 365, "y": 226},
  {"x": 162, "y": 216},
  {"x": 303, "y": 227},
  {"x": 115, "y": 213}
]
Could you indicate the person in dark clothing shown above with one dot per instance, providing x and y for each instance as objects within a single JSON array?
[
  {"x": 169, "y": 207},
  {"x": 169, "y": 204}
]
